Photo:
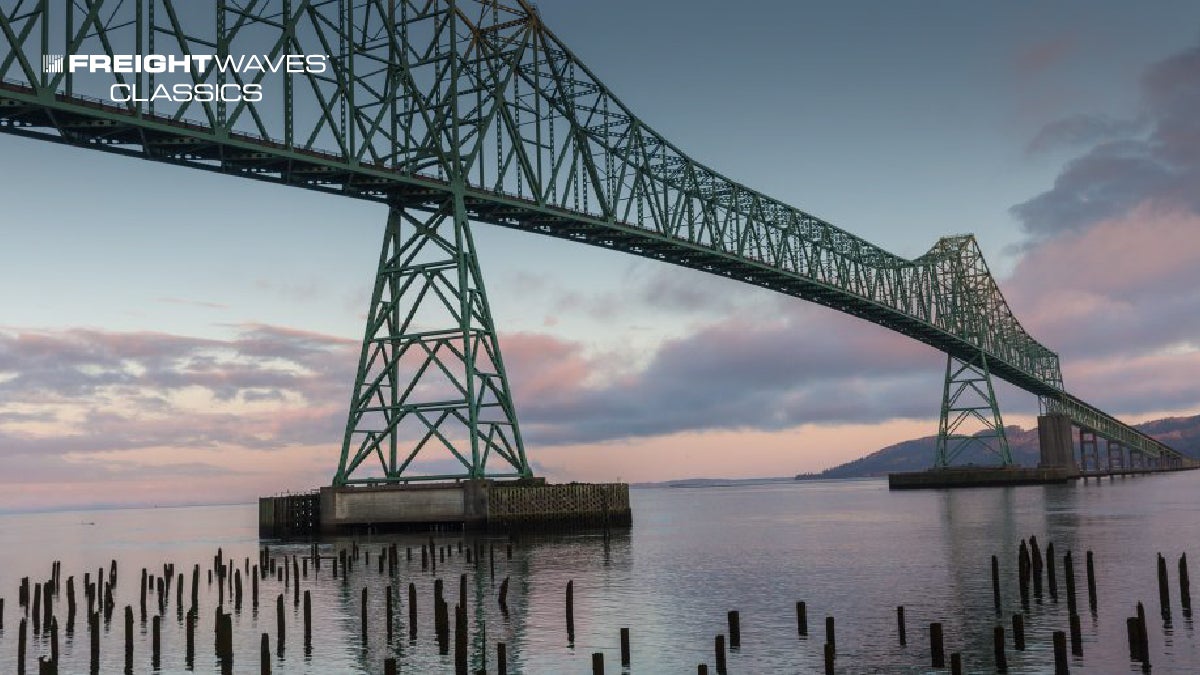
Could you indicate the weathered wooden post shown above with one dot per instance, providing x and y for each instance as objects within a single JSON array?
[
  {"x": 1164, "y": 590},
  {"x": 1060, "y": 652},
  {"x": 1091, "y": 581},
  {"x": 719, "y": 648},
  {"x": 802, "y": 619},
  {"x": 937, "y": 650},
  {"x": 1185, "y": 590},
  {"x": 307, "y": 622},
  {"x": 735, "y": 629},
  {"x": 156, "y": 644},
  {"x": 998, "y": 649},
  {"x": 900, "y": 628},
  {"x": 265, "y": 654},
  {"x": 571, "y": 611}
]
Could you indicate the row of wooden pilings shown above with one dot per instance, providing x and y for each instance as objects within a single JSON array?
[{"x": 1037, "y": 577}]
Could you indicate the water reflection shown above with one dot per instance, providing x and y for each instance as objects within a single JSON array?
[{"x": 851, "y": 550}]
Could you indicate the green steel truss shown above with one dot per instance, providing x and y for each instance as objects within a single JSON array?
[
  {"x": 428, "y": 99},
  {"x": 430, "y": 366},
  {"x": 970, "y": 415}
]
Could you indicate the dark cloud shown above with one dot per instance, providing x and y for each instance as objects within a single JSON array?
[
  {"x": 804, "y": 365},
  {"x": 1160, "y": 165}
]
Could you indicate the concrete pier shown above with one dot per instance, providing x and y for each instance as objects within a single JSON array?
[{"x": 471, "y": 505}]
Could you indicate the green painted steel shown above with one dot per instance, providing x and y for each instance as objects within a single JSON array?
[
  {"x": 430, "y": 366},
  {"x": 477, "y": 101},
  {"x": 970, "y": 414}
]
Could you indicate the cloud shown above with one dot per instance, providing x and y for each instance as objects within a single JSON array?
[
  {"x": 1110, "y": 274},
  {"x": 1081, "y": 130},
  {"x": 1123, "y": 169},
  {"x": 802, "y": 365}
]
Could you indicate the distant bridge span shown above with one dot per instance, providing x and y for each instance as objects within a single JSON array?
[{"x": 473, "y": 110}]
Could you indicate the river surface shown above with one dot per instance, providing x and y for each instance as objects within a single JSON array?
[{"x": 848, "y": 549}]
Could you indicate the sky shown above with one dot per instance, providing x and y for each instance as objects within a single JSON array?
[{"x": 171, "y": 336}]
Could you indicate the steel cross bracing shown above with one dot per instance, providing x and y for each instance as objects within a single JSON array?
[{"x": 424, "y": 99}]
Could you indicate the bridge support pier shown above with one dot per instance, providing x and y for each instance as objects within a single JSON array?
[
  {"x": 1089, "y": 451},
  {"x": 1054, "y": 440}
]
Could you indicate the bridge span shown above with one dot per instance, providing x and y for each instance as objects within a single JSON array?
[{"x": 453, "y": 111}]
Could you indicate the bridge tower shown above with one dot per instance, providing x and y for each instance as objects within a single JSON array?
[
  {"x": 970, "y": 416},
  {"x": 971, "y": 305},
  {"x": 430, "y": 379}
]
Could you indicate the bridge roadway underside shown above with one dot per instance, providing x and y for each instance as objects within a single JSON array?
[{"x": 116, "y": 130}]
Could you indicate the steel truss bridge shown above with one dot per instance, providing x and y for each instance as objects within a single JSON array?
[{"x": 457, "y": 111}]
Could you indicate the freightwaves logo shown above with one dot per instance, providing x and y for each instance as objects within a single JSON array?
[{"x": 197, "y": 65}]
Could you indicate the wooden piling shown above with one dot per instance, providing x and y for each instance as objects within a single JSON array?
[
  {"x": 307, "y": 621},
  {"x": 156, "y": 642},
  {"x": 389, "y": 666},
  {"x": 264, "y": 654},
  {"x": 1018, "y": 626},
  {"x": 1091, "y": 581},
  {"x": 1023, "y": 573},
  {"x": 1060, "y": 653},
  {"x": 625, "y": 647},
  {"x": 363, "y": 615},
  {"x": 128, "y": 639},
  {"x": 735, "y": 629},
  {"x": 460, "y": 639},
  {"x": 719, "y": 649},
  {"x": 998, "y": 649},
  {"x": 900, "y": 628},
  {"x": 504, "y": 596},
  {"x": 412, "y": 611},
  {"x": 501, "y": 658},
  {"x": 956, "y": 664},
  {"x": 571, "y": 611},
  {"x": 1143, "y": 636},
  {"x": 598, "y": 663},
  {"x": 1185, "y": 590},
  {"x": 1131, "y": 634},
  {"x": 281, "y": 629},
  {"x": 1076, "y": 636},
  {"x": 190, "y": 637},
  {"x": 830, "y": 633},
  {"x": 937, "y": 650},
  {"x": 802, "y": 619},
  {"x": 830, "y": 657},
  {"x": 37, "y": 609},
  {"x": 1164, "y": 590},
  {"x": 22, "y": 643}
]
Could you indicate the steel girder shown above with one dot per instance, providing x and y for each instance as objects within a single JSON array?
[{"x": 429, "y": 98}]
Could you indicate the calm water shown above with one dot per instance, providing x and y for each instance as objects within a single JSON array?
[{"x": 849, "y": 549}]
